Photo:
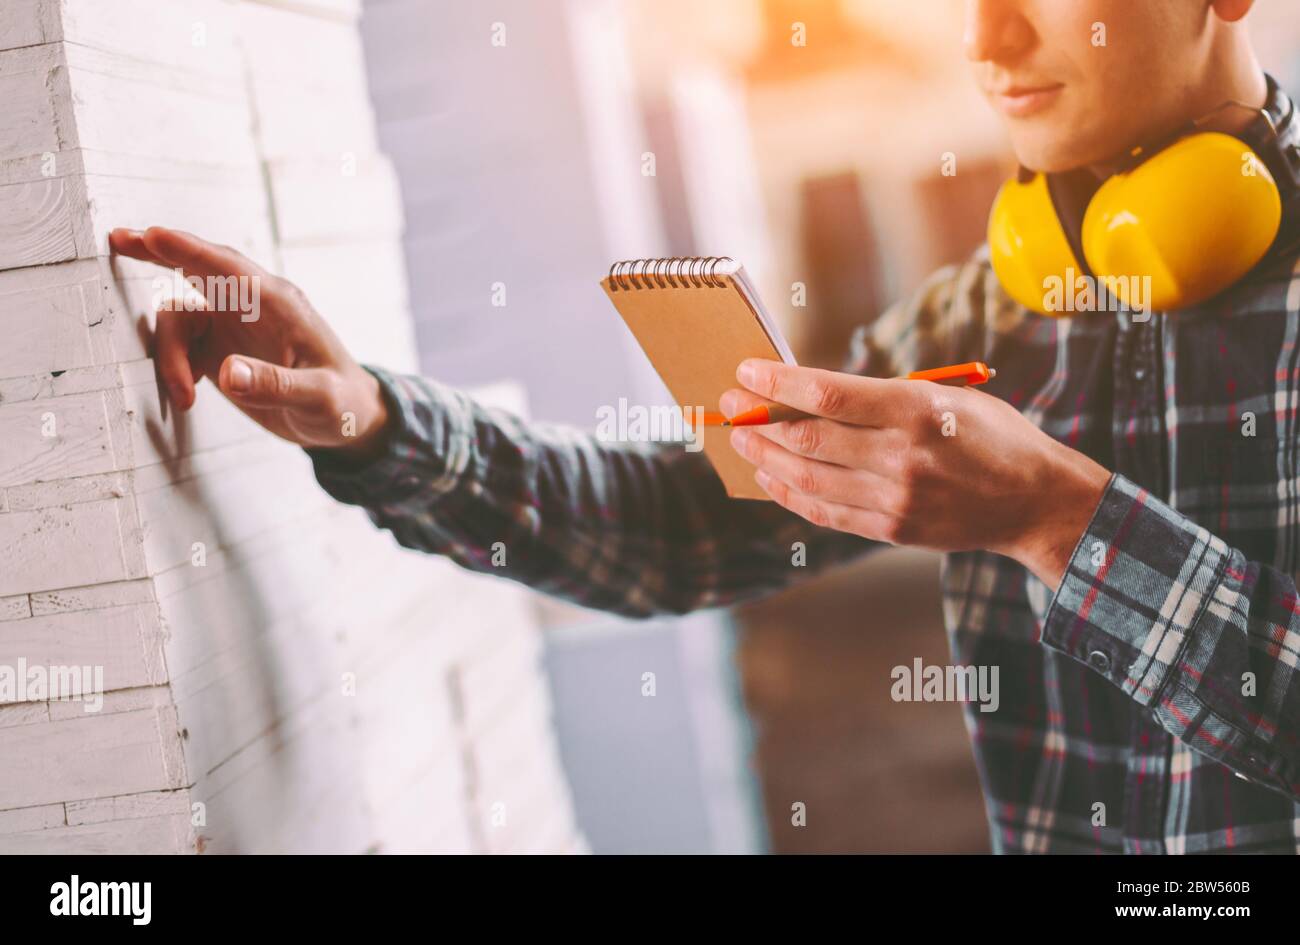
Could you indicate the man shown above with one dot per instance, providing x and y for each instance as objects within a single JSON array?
[{"x": 1115, "y": 545}]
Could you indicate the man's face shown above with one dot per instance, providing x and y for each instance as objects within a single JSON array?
[{"x": 1077, "y": 81}]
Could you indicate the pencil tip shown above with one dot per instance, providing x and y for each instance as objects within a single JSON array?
[
  {"x": 726, "y": 423},
  {"x": 992, "y": 373}
]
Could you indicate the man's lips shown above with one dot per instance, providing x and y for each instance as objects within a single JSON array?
[{"x": 1020, "y": 101}]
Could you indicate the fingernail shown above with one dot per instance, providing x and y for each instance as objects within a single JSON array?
[
  {"x": 241, "y": 375},
  {"x": 747, "y": 373},
  {"x": 739, "y": 439},
  {"x": 729, "y": 403},
  {"x": 762, "y": 479}
]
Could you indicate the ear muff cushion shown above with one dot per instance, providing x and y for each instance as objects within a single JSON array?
[
  {"x": 1195, "y": 218},
  {"x": 1027, "y": 244}
]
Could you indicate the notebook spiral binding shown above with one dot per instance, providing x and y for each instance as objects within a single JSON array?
[{"x": 676, "y": 272}]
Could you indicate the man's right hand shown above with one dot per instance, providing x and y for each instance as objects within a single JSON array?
[{"x": 286, "y": 369}]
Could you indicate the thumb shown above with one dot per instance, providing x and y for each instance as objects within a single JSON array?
[{"x": 255, "y": 383}]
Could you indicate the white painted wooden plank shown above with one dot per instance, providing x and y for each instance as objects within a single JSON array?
[
  {"x": 337, "y": 200},
  {"x": 24, "y": 713},
  {"x": 88, "y": 59},
  {"x": 123, "y": 645},
  {"x": 194, "y": 35},
  {"x": 229, "y": 610},
  {"x": 40, "y": 495},
  {"x": 23, "y": 819},
  {"x": 93, "y": 597},
  {"x": 520, "y": 737},
  {"x": 287, "y": 130},
  {"x": 122, "y": 700},
  {"x": 236, "y": 671},
  {"x": 229, "y": 209},
  {"x": 148, "y": 835},
  {"x": 60, "y": 383},
  {"x": 293, "y": 59},
  {"x": 521, "y": 741},
  {"x": 159, "y": 434},
  {"x": 28, "y": 23},
  {"x": 360, "y": 289},
  {"x": 511, "y": 822},
  {"x": 555, "y": 837},
  {"x": 244, "y": 502},
  {"x": 91, "y": 756},
  {"x": 59, "y": 547},
  {"x": 294, "y": 789},
  {"x": 15, "y": 607},
  {"x": 187, "y": 472},
  {"x": 162, "y": 166},
  {"x": 491, "y": 689},
  {"x": 402, "y": 700},
  {"x": 283, "y": 46},
  {"x": 128, "y": 807},
  {"x": 54, "y": 438},
  {"x": 534, "y": 766},
  {"x": 455, "y": 839},
  {"x": 344, "y": 10},
  {"x": 48, "y": 219},
  {"x": 27, "y": 122},
  {"x": 128, "y": 107},
  {"x": 426, "y": 814},
  {"x": 488, "y": 608},
  {"x": 37, "y": 223},
  {"x": 536, "y": 811},
  {"x": 47, "y": 330},
  {"x": 309, "y": 552},
  {"x": 259, "y": 449}
]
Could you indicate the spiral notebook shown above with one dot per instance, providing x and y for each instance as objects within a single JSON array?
[{"x": 697, "y": 318}]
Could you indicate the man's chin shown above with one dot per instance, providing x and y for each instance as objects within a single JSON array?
[{"x": 1050, "y": 158}]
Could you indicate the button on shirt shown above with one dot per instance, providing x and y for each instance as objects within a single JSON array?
[{"x": 1150, "y": 703}]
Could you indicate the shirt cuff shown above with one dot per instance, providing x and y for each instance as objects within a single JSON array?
[
  {"x": 427, "y": 446},
  {"x": 1135, "y": 592}
]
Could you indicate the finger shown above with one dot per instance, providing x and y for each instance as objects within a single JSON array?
[
  {"x": 867, "y": 523},
  {"x": 176, "y": 333},
  {"x": 867, "y": 401},
  {"x": 738, "y": 400},
  {"x": 830, "y": 441},
  {"x": 812, "y": 477},
  {"x": 127, "y": 242},
  {"x": 197, "y": 256},
  {"x": 255, "y": 383}
]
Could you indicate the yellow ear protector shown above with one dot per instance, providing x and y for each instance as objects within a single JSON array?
[{"x": 1168, "y": 226}]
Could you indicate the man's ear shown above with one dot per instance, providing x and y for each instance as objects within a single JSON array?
[{"x": 1231, "y": 11}]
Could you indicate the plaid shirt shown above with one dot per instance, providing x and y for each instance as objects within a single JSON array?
[{"x": 1150, "y": 704}]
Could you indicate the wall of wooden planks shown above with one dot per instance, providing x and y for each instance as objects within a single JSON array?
[{"x": 278, "y": 674}]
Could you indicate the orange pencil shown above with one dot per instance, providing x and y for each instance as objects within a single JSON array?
[
  {"x": 970, "y": 374},
  {"x": 711, "y": 419}
]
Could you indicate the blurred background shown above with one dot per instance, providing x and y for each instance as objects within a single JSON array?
[{"x": 535, "y": 143}]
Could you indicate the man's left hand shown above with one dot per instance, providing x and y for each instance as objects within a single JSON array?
[{"x": 916, "y": 463}]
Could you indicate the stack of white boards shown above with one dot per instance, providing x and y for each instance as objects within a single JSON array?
[{"x": 270, "y": 672}]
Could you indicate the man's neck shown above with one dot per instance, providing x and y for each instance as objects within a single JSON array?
[{"x": 1232, "y": 74}]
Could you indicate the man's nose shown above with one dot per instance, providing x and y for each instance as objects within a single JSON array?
[{"x": 996, "y": 30}]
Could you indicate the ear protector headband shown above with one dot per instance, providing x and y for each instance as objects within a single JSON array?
[{"x": 1169, "y": 225}]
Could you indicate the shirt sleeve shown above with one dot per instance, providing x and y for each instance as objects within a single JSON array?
[
  {"x": 1189, "y": 628},
  {"x": 630, "y": 528},
  {"x": 951, "y": 318}
]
